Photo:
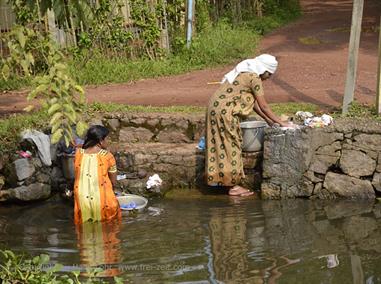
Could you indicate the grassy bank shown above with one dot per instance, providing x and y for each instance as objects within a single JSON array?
[
  {"x": 11, "y": 127},
  {"x": 216, "y": 45}
]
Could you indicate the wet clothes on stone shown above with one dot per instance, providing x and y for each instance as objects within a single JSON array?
[
  {"x": 227, "y": 106},
  {"x": 94, "y": 198}
]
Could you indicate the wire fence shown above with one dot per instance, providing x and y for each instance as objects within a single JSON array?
[
  {"x": 68, "y": 37},
  {"x": 7, "y": 19}
]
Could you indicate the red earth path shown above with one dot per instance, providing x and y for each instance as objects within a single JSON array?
[{"x": 314, "y": 72}]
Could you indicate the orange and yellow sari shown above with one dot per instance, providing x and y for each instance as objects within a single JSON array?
[{"x": 94, "y": 198}]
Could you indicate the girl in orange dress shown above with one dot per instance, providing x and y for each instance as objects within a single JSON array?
[{"x": 95, "y": 174}]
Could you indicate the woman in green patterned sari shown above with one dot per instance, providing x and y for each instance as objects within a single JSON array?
[{"x": 240, "y": 92}]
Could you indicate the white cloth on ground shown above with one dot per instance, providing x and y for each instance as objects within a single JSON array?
[
  {"x": 42, "y": 142},
  {"x": 258, "y": 65}
]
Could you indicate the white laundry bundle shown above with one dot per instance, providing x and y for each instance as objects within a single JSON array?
[
  {"x": 302, "y": 115},
  {"x": 154, "y": 181},
  {"x": 316, "y": 121}
]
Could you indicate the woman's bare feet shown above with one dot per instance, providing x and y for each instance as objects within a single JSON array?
[{"x": 240, "y": 191}]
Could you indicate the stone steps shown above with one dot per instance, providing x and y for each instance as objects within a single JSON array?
[{"x": 179, "y": 165}]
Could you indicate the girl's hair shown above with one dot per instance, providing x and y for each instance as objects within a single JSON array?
[{"x": 95, "y": 135}]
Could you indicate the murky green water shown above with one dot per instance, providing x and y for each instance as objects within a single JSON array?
[{"x": 211, "y": 240}]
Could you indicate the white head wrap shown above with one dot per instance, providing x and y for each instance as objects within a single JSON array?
[{"x": 258, "y": 65}]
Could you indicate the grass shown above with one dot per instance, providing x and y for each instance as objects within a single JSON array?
[
  {"x": 217, "y": 46},
  {"x": 113, "y": 107},
  {"x": 11, "y": 127}
]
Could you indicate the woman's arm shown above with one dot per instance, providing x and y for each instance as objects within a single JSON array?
[
  {"x": 266, "y": 110},
  {"x": 112, "y": 170},
  {"x": 112, "y": 177},
  {"x": 258, "y": 110}
]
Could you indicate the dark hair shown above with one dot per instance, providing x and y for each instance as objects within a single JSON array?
[{"x": 95, "y": 135}]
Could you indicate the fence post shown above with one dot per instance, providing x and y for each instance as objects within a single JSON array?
[
  {"x": 378, "y": 95},
  {"x": 354, "y": 43},
  {"x": 190, "y": 13}
]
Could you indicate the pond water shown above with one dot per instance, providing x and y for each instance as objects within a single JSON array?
[{"x": 212, "y": 239}]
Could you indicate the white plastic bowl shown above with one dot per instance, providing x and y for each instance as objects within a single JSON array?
[{"x": 129, "y": 202}]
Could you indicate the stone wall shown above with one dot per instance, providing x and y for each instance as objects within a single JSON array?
[
  {"x": 165, "y": 144},
  {"x": 339, "y": 161},
  {"x": 143, "y": 144}
]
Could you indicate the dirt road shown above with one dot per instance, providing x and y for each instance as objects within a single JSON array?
[{"x": 312, "y": 53}]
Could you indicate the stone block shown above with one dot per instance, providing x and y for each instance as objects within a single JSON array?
[
  {"x": 36, "y": 191},
  {"x": 154, "y": 123},
  {"x": 22, "y": 169},
  {"x": 343, "y": 186},
  {"x": 321, "y": 163},
  {"x": 330, "y": 150},
  {"x": 356, "y": 163},
  {"x": 351, "y": 146},
  {"x": 368, "y": 141},
  {"x": 139, "y": 122},
  {"x": 172, "y": 135},
  {"x": 43, "y": 178},
  {"x": 134, "y": 135},
  {"x": 322, "y": 137},
  {"x": 377, "y": 181},
  {"x": 317, "y": 188},
  {"x": 378, "y": 168},
  {"x": 113, "y": 124},
  {"x": 270, "y": 191},
  {"x": 141, "y": 159},
  {"x": 310, "y": 175}
]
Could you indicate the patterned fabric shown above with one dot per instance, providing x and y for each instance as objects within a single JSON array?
[
  {"x": 94, "y": 198},
  {"x": 229, "y": 104}
]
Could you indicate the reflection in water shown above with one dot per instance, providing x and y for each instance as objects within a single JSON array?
[
  {"x": 214, "y": 239},
  {"x": 229, "y": 243},
  {"x": 99, "y": 246}
]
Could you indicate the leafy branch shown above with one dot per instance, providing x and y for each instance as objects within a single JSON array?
[{"x": 63, "y": 98}]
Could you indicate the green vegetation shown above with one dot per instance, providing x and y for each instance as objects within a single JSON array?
[
  {"x": 106, "y": 54},
  {"x": 17, "y": 268},
  {"x": 215, "y": 46},
  {"x": 11, "y": 127},
  {"x": 112, "y": 107},
  {"x": 30, "y": 53},
  {"x": 291, "y": 108}
]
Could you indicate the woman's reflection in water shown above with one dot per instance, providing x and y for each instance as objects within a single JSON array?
[
  {"x": 230, "y": 247},
  {"x": 99, "y": 246}
]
